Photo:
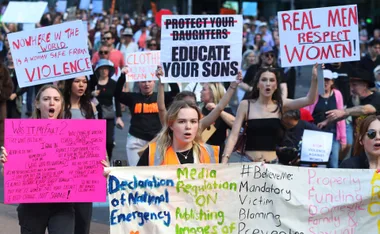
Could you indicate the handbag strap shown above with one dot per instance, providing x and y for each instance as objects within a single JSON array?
[{"x": 247, "y": 116}]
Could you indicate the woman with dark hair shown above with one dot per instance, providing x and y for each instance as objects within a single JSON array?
[
  {"x": 331, "y": 99},
  {"x": 105, "y": 90},
  {"x": 367, "y": 146},
  {"x": 77, "y": 97},
  {"x": 262, "y": 112},
  {"x": 78, "y": 105}
]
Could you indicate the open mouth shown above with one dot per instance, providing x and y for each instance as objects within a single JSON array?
[
  {"x": 377, "y": 145},
  {"x": 267, "y": 89},
  {"x": 187, "y": 135},
  {"x": 51, "y": 112}
]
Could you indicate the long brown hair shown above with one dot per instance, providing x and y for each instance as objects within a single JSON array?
[
  {"x": 363, "y": 128},
  {"x": 37, "y": 112}
]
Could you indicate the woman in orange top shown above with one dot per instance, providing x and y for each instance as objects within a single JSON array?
[{"x": 179, "y": 141}]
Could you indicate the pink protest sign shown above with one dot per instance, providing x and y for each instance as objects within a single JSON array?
[{"x": 54, "y": 161}]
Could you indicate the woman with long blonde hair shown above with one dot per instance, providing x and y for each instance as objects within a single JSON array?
[{"x": 179, "y": 141}]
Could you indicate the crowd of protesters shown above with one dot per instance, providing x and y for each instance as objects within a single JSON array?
[{"x": 169, "y": 127}]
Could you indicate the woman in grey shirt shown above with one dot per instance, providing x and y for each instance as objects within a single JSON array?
[{"x": 78, "y": 105}]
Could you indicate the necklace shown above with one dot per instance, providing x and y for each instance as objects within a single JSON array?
[{"x": 183, "y": 155}]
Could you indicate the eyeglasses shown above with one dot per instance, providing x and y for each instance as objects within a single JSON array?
[
  {"x": 371, "y": 134},
  {"x": 269, "y": 55},
  {"x": 107, "y": 38},
  {"x": 103, "y": 52},
  {"x": 152, "y": 44}
]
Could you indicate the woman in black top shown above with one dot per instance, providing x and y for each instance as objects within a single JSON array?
[
  {"x": 367, "y": 146},
  {"x": 105, "y": 90}
]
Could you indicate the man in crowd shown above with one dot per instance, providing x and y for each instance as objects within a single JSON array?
[{"x": 372, "y": 59}]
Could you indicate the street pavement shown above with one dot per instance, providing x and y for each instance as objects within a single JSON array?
[{"x": 100, "y": 224}]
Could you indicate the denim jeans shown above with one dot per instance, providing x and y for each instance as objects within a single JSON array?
[{"x": 334, "y": 157}]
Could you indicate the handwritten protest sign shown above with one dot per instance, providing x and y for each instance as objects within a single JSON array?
[
  {"x": 142, "y": 66},
  {"x": 242, "y": 198},
  {"x": 316, "y": 146},
  {"x": 20, "y": 12},
  {"x": 323, "y": 35},
  {"x": 50, "y": 54},
  {"x": 54, "y": 161},
  {"x": 204, "y": 48}
]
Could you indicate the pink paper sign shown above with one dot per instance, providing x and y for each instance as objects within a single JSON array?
[{"x": 54, "y": 161}]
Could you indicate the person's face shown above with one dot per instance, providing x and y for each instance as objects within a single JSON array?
[
  {"x": 251, "y": 58},
  {"x": 9, "y": 56},
  {"x": 206, "y": 94},
  {"x": 104, "y": 52},
  {"x": 49, "y": 104},
  {"x": 268, "y": 58},
  {"x": 104, "y": 71},
  {"x": 79, "y": 86},
  {"x": 375, "y": 50},
  {"x": 102, "y": 25},
  {"x": 257, "y": 38},
  {"x": 154, "y": 30},
  {"x": 376, "y": 34},
  {"x": 152, "y": 45},
  {"x": 128, "y": 38},
  {"x": 146, "y": 87},
  {"x": 358, "y": 88},
  {"x": 115, "y": 21},
  {"x": 263, "y": 29},
  {"x": 185, "y": 127},
  {"x": 328, "y": 84},
  {"x": 267, "y": 84},
  {"x": 372, "y": 146},
  {"x": 289, "y": 122},
  {"x": 108, "y": 39}
]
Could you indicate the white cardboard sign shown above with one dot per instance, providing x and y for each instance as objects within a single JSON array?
[
  {"x": 24, "y": 12},
  {"x": 316, "y": 146},
  {"x": 50, "y": 54},
  {"x": 201, "y": 48},
  {"x": 142, "y": 66},
  {"x": 319, "y": 35}
]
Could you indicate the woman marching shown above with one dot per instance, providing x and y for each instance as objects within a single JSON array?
[
  {"x": 34, "y": 218},
  {"x": 79, "y": 106},
  {"x": 262, "y": 112},
  {"x": 179, "y": 141}
]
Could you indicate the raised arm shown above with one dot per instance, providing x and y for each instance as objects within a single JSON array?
[
  {"x": 161, "y": 96},
  {"x": 215, "y": 113},
  {"x": 234, "y": 134},
  {"x": 310, "y": 97}
]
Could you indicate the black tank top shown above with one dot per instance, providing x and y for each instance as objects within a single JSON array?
[{"x": 263, "y": 134}]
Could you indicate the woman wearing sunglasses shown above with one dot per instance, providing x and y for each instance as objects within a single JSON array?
[{"x": 367, "y": 146}]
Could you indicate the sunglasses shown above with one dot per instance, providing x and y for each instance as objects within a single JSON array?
[
  {"x": 269, "y": 55},
  {"x": 103, "y": 52},
  {"x": 107, "y": 38},
  {"x": 371, "y": 134},
  {"x": 152, "y": 44}
]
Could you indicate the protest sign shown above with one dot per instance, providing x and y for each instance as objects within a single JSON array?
[
  {"x": 97, "y": 6},
  {"x": 204, "y": 48},
  {"x": 320, "y": 35},
  {"x": 20, "y": 12},
  {"x": 84, "y": 4},
  {"x": 61, "y": 6},
  {"x": 142, "y": 66},
  {"x": 242, "y": 198},
  {"x": 250, "y": 8},
  {"x": 54, "y": 161},
  {"x": 316, "y": 146},
  {"x": 50, "y": 54},
  {"x": 28, "y": 26}
]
